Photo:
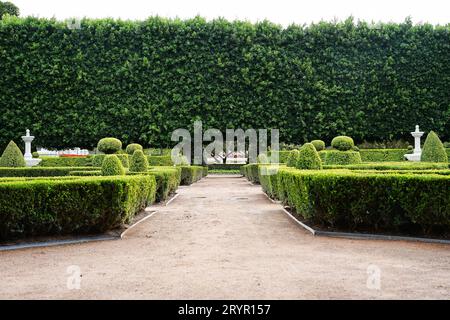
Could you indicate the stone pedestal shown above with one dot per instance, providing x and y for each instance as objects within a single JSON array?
[
  {"x": 417, "y": 153},
  {"x": 29, "y": 160}
]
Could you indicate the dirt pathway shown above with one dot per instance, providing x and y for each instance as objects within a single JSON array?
[{"x": 222, "y": 238}]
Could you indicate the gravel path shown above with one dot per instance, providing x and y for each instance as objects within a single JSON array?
[{"x": 222, "y": 238}]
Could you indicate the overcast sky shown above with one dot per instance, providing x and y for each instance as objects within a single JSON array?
[{"x": 283, "y": 12}]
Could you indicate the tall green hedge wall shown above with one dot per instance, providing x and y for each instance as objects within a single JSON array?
[{"x": 140, "y": 80}]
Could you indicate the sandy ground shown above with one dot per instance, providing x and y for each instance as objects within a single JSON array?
[{"x": 223, "y": 239}]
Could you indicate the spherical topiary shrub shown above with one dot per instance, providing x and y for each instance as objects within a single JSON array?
[
  {"x": 131, "y": 148},
  {"x": 342, "y": 143},
  {"x": 12, "y": 156},
  {"x": 139, "y": 162},
  {"x": 334, "y": 157},
  {"x": 433, "y": 149},
  {"x": 318, "y": 144},
  {"x": 308, "y": 158},
  {"x": 292, "y": 158},
  {"x": 109, "y": 145},
  {"x": 112, "y": 166}
]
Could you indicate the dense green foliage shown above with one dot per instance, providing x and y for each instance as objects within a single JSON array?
[
  {"x": 292, "y": 158},
  {"x": 318, "y": 144},
  {"x": 433, "y": 149},
  {"x": 131, "y": 148},
  {"x": 138, "y": 162},
  {"x": 109, "y": 145},
  {"x": 191, "y": 174},
  {"x": 342, "y": 157},
  {"x": 160, "y": 161},
  {"x": 406, "y": 165},
  {"x": 382, "y": 155},
  {"x": 365, "y": 200},
  {"x": 10, "y": 8},
  {"x": 45, "y": 206},
  {"x": 308, "y": 158},
  {"x": 12, "y": 156},
  {"x": 342, "y": 143},
  {"x": 40, "y": 171},
  {"x": 283, "y": 155},
  {"x": 112, "y": 166},
  {"x": 140, "y": 80},
  {"x": 97, "y": 160},
  {"x": 66, "y": 161}
]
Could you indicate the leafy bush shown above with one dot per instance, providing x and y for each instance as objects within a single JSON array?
[
  {"x": 139, "y": 162},
  {"x": 433, "y": 149},
  {"x": 85, "y": 173},
  {"x": 406, "y": 165},
  {"x": 308, "y": 158},
  {"x": 342, "y": 157},
  {"x": 225, "y": 62},
  {"x": 282, "y": 155},
  {"x": 382, "y": 155},
  {"x": 45, "y": 206},
  {"x": 12, "y": 156},
  {"x": 109, "y": 145},
  {"x": 97, "y": 160},
  {"x": 342, "y": 143},
  {"x": 318, "y": 144},
  {"x": 131, "y": 148},
  {"x": 191, "y": 174},
  {"x": 368, "y": 201},
  {"x": 250, "y": 171},
  {"x": 112, "y": 166},
  {"x": 66, "y": 161},
  {"x": 292, "y": 158},
  {"x": 40, "y": 171},
  {"x": 160, "y": 161}
]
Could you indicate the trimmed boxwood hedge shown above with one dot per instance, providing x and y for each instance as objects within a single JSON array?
[
  {"x": 140, "y": 80},
  {"x": 65, "y": 161},
  {"x": 391, "y": 166},
  {"x": 250, "y": 171},
  {"x": 333, "y": 157},
  {"x": 382, "y": 155},
  {"x": 160, "y": 161},
  {"x": 42, "y": 207},
  {"x": 355, "y": 200},
  {"x": 191, "y": 174},
  {"x": 41, "y": 171}
]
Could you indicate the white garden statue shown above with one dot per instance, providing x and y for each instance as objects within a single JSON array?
[
  {"x": 417, "y": 153},
  {"x": 29, "y": 160}
]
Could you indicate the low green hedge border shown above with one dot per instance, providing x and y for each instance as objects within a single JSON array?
[
  {"x": 42, "y": 207},
  {"x": 41, "y": 171},
  {"x": 407, "y": 165},
  {"x": 191, "y": 174},
  {"x": 160, "y": 160},
  {"x": 65, "y": 162},
  {"x": 357, "y": 200}
]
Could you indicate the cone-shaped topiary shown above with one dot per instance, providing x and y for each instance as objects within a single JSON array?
[
  {"x": 308, "y": 158},
  {"x": 131, "y": 148},
  {"x": 139, "y": 162},
  {"x": 12, "y": 156},
  {"x": 112, "y": 166},
  {"x": 292, "y": 158},
  {"x": 109, "y": 145},
  {"x": 342, "y": 143},
  {"x": 433, "y": 149},
  {"x": 318, "y": 144}
]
